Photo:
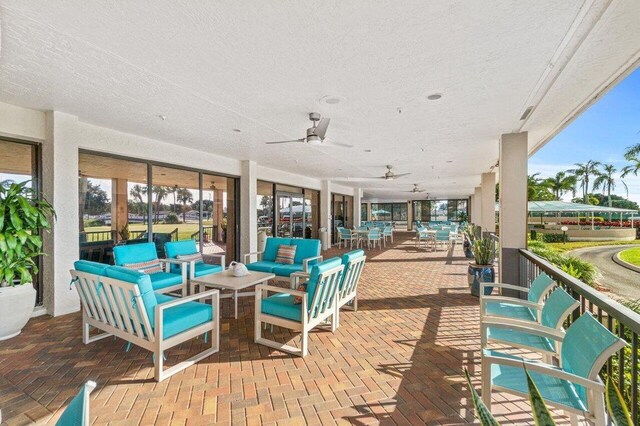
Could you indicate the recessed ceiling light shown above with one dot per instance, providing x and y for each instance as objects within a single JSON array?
[
  {"x": 236, "y": 130},
  {"x": 434, "y": 96},
  {"x": 332, "y": 100},
  {"x": 162, "y": 117},
  {"x": 367, "y": 150},
  {"x": 449, "y": 161}
]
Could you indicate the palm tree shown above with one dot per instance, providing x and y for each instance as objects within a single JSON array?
[
  {"x": 161, "y": 192},
  {"x": 606, "y": 180},
  {"x": 537, "y": 189},
  {"x": 185, "y": 197},
  {"x": 632, "y": 152},
  {"x": 561, "y": 183},
  {"x": 138, "y": 192},
  {"x": 634, "y": 167},
  {"x": 583, "y": 173}
]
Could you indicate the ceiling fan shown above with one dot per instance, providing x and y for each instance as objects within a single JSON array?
[
  {"x": 416, "y": 189},
  {"x": 315, "y": 134},
  {"x": 389, "y": 175}
]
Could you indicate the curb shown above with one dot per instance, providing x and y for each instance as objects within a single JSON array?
[{"x": 616, "y": 259}]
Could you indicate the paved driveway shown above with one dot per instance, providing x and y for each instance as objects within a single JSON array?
[{"x": 621, "y": 281}]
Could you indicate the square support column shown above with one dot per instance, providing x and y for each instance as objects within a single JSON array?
[
  {"x": 488, "y": 203},
  {"x": 409, "y": 215},
  {"x": 477, "y": 206},
  {"x": 513, "y": 204},
  {"x": 248, "y": 207},
  {"x": 119, "y": 205},
  {"x": 325, "y": 209},
  {"x": 60, "y": 188},
  {"x": 357, "y": 206}
]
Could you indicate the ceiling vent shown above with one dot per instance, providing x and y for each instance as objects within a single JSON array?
[{"x": 527, "y": 113}]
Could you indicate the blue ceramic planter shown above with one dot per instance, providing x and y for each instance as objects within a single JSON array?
[{"x": 481, "y": 274}]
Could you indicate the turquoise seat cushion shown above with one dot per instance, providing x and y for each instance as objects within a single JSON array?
[
  {"x": 180, "y": 248},
  {"x": 90, "y": 267},
  {"x": 286, "y": 270},
  {"x": 271, "y": 247},
  {"x": 281, "y": 305},
  {"x": 552, "y": 389},
  {"x": 143, "y": 281},
  {"x": 202, "y": 269},
  {"x": 181, "y": 318},
  {"x": 263, "y": 266},
  {"x": 134, "y": 253},
  {"x": 510, "y": 310},
  {"x": 305, "y": 249},
  {"x": 519, "y": 338},
  {"x": 161, "y": 280},
  {"x": 314, "y": 276}
]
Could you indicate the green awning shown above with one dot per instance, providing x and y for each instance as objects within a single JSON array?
[{"x": 566, "y": 207}]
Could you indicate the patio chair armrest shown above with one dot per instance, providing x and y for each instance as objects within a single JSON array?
[
  {"x": 182, "y": 263},
  {"x": 547, "y": 369},
  {"x": 294, "y": 279},
  {"x": 504, "y": 286},
  {"x": 265, "y": 287},
  {"x": 247, "y": 257},
  {"x": 305, "y": 262},
  {"x": 522, "y": 326},
  {"x": 173, "y": 261},
  {"x": 221, "y": 257},
  {"x": 186, "y": 299},
  {"x": 509, "y": 300}
]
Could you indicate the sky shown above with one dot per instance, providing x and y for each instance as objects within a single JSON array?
[{"x": 601, "y": 133}]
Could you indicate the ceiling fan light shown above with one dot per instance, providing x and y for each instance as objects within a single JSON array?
[{"x": 314, "y": 140}]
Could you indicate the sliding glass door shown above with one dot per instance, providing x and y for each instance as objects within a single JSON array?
[{"x": 291, "y": 215}]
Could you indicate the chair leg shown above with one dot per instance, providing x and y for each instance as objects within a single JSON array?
[
  {"x": 573, "y": 419},
  {"x": 486, "y": 384},
  {"x": 335, "y": 320},
  {"x": 304, "y": 342},
  {"x": 598, "y": 409}
]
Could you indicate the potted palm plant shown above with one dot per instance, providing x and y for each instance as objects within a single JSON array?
[
  {"x": 22, "y": 216},
  {"x": 482, "y": 270}
]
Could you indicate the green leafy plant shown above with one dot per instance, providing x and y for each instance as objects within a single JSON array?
[
  {"x": 616, "y": 406},
  {"x": 482, "y": 412},
  {"x": 172, "y": 219},
  {"x": 484, "y": 251},
  {"x": 574, "y": 266},
  {"x": 22, "y": 216},
  {"x": 541, "y": 414}
]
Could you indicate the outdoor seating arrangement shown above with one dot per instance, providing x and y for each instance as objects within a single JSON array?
[
  {"x": 574, "y": 386},
  {"x": 187, "y": 251},
  {"x": 307, "y": 253},
  {"x": 345, "y": 235},
  {"x": 77, "y": 412},
  {"x": 317, "y": 304},
  {"x": 122, "y": 303},
  {"x": 347, "y": 295},
  {"x": 144, "y": 257}
]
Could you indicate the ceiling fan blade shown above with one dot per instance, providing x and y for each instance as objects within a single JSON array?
[
  {"x": 291, "y": 141},
  {"x": 337, "y": 144},
  {"x": 321, "y": 128},
  {"x": 401, "y": 175},
  {"x": 354, "y": 179}
]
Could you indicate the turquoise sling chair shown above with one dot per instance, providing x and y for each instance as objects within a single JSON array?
[
  {"x": 511, "y": 307},
  {"x": 77, "y": 412},
  {"x": 195, "y": 269},
  {"x": 574, "y": 386},
  {"x": 531, "y": 335}
]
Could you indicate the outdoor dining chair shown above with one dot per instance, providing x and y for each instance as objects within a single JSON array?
[
  {"x": 374, "y": 238},
  {"x": 346, "y": 235}
]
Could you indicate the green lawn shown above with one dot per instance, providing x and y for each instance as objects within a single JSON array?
[
  {"x": 631, "y": 255},
  {"x": 584, "y": 244},
  {"x": 185, "y": 230}
]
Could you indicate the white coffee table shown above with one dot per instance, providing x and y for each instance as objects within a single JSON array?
[{"x": 226, "y": 281}]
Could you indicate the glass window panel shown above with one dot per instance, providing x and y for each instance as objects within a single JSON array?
[
  {"x": 363, "y": 212},
  {"x": 265, "y": 207},
  {"x": 312, "y": 209},
  {"x": 219, "y": 222}
]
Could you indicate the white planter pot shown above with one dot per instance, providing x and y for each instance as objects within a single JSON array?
[{"x": 16, "y": 305}]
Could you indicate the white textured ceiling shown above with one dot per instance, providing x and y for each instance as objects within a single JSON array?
[{"x": 261, "y": 66}]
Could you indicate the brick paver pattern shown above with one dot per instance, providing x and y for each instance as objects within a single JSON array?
[{"x": 398, "y": 360}]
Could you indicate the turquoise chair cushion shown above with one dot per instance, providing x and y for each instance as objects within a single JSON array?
[
  {"x": 286, "y": 270},
  {"x": 134, "y": 253},
  {"x": 349, "y": 256},
  {"x": 262, "y": 266},
  {"x": 316, "y": 270},
  {"x": 202, "y": 269},
  {"x": 143, "y": 281},
  {"x": 519, "y": 338},
  {"x": 90, "y": 267},
  {"x": 556, "y": 308},
  {"x": 181, "y": 318},
  {"x": 161, "y": 280},
  {"x": 271, "y": 247},
  {"x": 76, "y": 411},
  {"x": 281, "y": 305},
  {"x": 540, "y": 286},
  {"x": 552, "y": 389},
  {"x": 180, "y": 248},
  {"x": 305, "y": 249},
  {"x": 510, "y": 310}
]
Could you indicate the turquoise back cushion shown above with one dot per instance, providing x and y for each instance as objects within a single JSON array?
[
  {"x": 180, "y": 248},
  {"x": 144, "y": 284},
  {"x": 90, "y": 267},
  {"x": 584, "y": 342},
  {"x": 539, "y": 287},
  {"x": 271, "y": 248},
  {"x": 348, "y": 257},
  {"x": 557, "y": 304},
  {"x": 134, "y": 253},
  {"x": 314, "y": 276},
  {"x": 305, "y": 249},
  {"x": 74, "y": 414}
]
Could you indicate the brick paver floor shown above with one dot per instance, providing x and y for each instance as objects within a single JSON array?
[{"x": 398, "y": 360}]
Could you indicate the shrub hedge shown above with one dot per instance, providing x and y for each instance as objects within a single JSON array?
[{"x": 574, "y": 266}]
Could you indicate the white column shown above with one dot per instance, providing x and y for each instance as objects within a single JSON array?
[
  {"x": 325, "y": 207},
  {"x": 477, "y": 205},
  {"x": 357, "y": 206},
  {"x": 488, "y": 202},
  {"x": 513, "y": 204},
  {"x": 248, "y": 207},
  {"x": 409, "y": 215},
  {"x": 472, "y": 209},
  {"x": 60, "y": 188}
]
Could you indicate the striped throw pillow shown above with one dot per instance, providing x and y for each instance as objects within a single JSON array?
[
  {"x": 286, "y": 254},
  {"x": 189, "y": 257},
  {"x": 148, "y": 267}
]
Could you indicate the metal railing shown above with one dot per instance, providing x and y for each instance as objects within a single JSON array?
[
  {"x": 619, "y": 319},
  {"x": 210, "y": 233},
  {"x": 95, "y": 236}
]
